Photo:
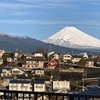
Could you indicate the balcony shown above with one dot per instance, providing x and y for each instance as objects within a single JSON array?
[{"x": 25, "y": 95}]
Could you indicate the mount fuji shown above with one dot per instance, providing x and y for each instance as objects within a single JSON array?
[{"x": 73, "y": 38}]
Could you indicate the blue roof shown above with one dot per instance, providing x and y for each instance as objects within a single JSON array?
[{"x": 92, "y": 91}]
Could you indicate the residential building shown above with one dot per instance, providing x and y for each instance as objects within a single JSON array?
[
  {"x": 20, "y": 85},
  {"x": 89, "y": 63},
  {"x": 53, "y": 63},
  {"x": 22, "y": 77},
  {"x": 39, "y": 72},
  {"x": 1, "y": 61},
  {"x": 34, "y": 62},
  {"x": 56, "y": 56},
  {"x": 76, "y": 59},
  {"x": 17, "y": 55},
  {"x": 6, "y": 80},
  {"x": 6, "y": 71},
  {"x": 67, "y": 57},
  {"x": 1, "y": 53},
  {"x": 85, "y": 55},
  {"x": 61, "y": 85},
  {"x": 39, "y": 86},
  {"x": 8, "y": 58},
  {"x": 38, "y": 54},
  {"x": 16, "y": 71}
]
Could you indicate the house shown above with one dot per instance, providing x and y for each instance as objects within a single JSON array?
[
  {"x": 56, "y": 56},
  {"x": 53, "y": 63},
  {"x": 17, "y": 55},
  {"x": 76, "y": 59},
  {"x": 8, "y": 58},
  {"x": 28, "y": 56},
  {"x": 22, "y": 77},
  {"x": 50, "y": 55},
  {"x": 1, "y": 61},
  {"x": 16, "y": 71},
  {"x": 85, "y": 55},
  {"x": 1, "y": 53},
  {"x": 34, "y": 62},
  {"x": 20, "y": 85},
  {"x": 1, "y": 84},
  {"x": 67, "y": 57},
  {"x": 19, "y": 78},
  {"x": 39, "y": 72},
  {"x": 39, "y": 86},
  {"x": 6, "y": 71},
  {"x": 97, "y": 61},
  {"x": 1, "y": 56},
  {"x": 58, "y": 85},
  {"x": 38, "y": 54},
  {"x": 89, "y": 63},
  {"x": 6, "y": 80}
]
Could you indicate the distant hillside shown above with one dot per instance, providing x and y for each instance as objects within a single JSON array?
[{"x": 29, "y": 45}]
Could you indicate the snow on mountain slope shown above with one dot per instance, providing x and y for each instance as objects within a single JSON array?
[{"x": 73, "y": 38}]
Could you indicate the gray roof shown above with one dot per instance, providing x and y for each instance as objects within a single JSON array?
[
  {"x": 20, "y": 81},
  {"x": 8, "y": 77},
  {"x": 7, "y": 68},
  {"x": 22, "y": 77}
]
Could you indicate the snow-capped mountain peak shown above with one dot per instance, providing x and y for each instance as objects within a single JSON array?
[
  {"x": 74, "y": 38},
  {"x": 2, "y": 34}
]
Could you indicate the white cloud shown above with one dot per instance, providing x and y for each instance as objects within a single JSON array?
[
  {"x": 26, "y": 4},
  {"x": 14, "y": 5},
  {"x": 48, "y": 3},
  {"x": 41, "y": 22}
]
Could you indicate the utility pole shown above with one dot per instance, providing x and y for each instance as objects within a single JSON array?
[
  {"x": 83, "y": 82},
  {"x": 51, "y": 81}
]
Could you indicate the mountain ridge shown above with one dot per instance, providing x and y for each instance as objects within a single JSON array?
[{"x": 28, "y": 45}]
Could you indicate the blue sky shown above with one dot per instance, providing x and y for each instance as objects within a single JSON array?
[{"x": 40, "y": 19}]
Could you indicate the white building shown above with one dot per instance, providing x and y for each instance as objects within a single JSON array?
[
  {"x": 38, "y": 54},
  {"x": 39, "y": 72},
  {"x": 39, "y": 86},
  {"x": 56, "y": 56},
  {"x": 20, "y": 85},
  {"x": 1, "y": 53},
  {"x": 1, "y": 61},
  {"x": 61, "y": 85},
  {"x": 34, "y": 62},
  {"x": 67, "y": 57},
  {"x": 6, "y": 71},
  {"x": 16, "y": 71}
]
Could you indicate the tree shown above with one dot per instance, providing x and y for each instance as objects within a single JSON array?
[
  {"x": 82, "y": 62},
  {"x": 22, "y": 58}
]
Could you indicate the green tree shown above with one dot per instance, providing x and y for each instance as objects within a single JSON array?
[
  {"x": 82, "y": 62},
  {"x": 22, "y": 57}
]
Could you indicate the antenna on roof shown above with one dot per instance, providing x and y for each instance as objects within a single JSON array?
[
  {"x": 72, "y": 52},
  {"x": 16, "y": 49},
  {"x": 50, "y": 48}
]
